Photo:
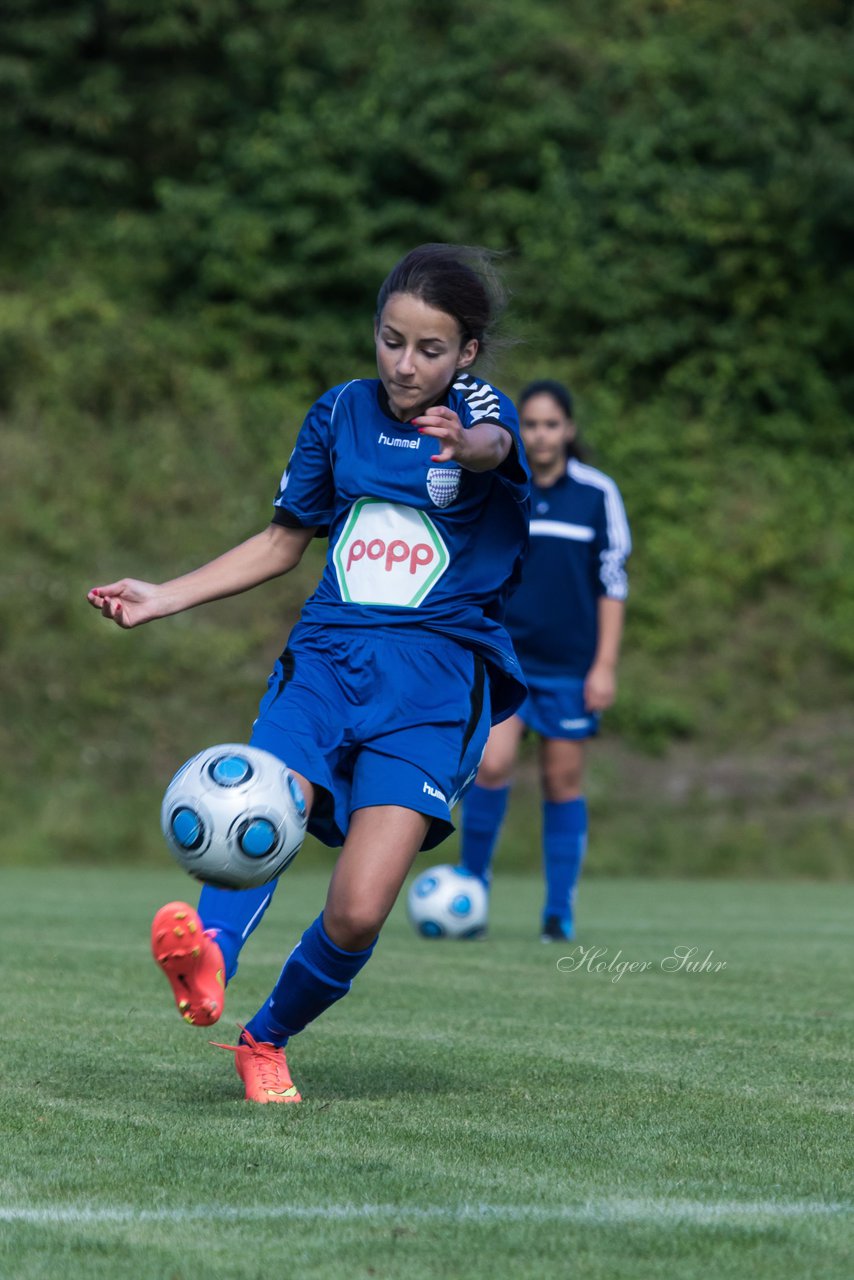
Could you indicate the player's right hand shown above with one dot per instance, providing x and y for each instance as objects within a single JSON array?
[{"x": 128, "y": 603}]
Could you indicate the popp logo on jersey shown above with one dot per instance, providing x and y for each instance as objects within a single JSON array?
[{"x": 388, "y": 554}]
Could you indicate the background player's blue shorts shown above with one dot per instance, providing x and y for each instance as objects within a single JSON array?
[
  {"x": 377, "y": 716},
  {"x": 555, "y": 709}
]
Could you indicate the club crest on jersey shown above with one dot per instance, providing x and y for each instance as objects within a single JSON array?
[{"x": 443, "y": 485}]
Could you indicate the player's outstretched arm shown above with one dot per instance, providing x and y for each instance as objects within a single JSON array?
[
  {"x": 131, "y": 602},
  {"x": 479, "y": 448}
]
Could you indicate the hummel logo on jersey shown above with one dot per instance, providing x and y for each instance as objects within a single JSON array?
[
  {"x": 427, "y": 790},
  {"x": 398, "y": 442},
  {"x": 443, "y": 485}
]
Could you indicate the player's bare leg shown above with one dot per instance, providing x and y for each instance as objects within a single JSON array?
[
  {"x": 381, "y": 845},
  {"x": 485, "y": 804},
  {"x": 562, "y": 769},
  {"x": 499, "y": 757}
]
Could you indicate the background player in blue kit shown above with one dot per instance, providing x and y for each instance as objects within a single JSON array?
[
  {"x": 382, "y": 701},
  {"x": 566, "y": 620}
]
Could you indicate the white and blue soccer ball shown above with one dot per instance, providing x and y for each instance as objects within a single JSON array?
[
  {"x": 234, "y": 816},
  {"x": 447, "y": 902}
]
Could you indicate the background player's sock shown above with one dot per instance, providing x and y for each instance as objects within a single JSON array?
[
  {"x": 316, "y": 974},
  {"x": 232, "y": 914},
  {"x": 564, "y": 846},
  {"x": 483, "y": 814}
]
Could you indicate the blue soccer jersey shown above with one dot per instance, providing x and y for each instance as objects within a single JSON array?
[
  {"x": 412, "y": 542},
  {"x": 580, "y": 541}
]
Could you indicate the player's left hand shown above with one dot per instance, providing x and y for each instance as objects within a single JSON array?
[
  {"x": 445, "y": 425},
  {"x": 600, "y": 687}
]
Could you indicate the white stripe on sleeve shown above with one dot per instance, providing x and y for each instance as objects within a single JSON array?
[{"x": 612, "y": 561}]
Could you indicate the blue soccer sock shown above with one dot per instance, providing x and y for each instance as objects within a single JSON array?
[
  {"x": 233, "y": 914},
  {"x": 483, "y": 814},
  {"x": 316, "y": 974},
  {"x": 564, "y": 846}
]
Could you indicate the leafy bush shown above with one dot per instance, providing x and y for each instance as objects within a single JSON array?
[{"x": 202, "y": 201}]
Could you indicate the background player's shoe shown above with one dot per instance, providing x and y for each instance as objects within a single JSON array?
[
  {"x": 192, "y": 962},
  {"x": 263, "y": 1068},
  {"x": 557, "y": 930}
]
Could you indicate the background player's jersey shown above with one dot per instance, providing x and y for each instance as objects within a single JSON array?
[
  {"x": 580, "y": 541},
  {"x": 412, "y": 542}
]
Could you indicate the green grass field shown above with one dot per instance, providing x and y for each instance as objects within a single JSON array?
[{"x": 470, "y": 1109}]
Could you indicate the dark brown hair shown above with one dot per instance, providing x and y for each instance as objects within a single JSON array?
[
  {"x": 460, "y": 280},
  {"x": 562, "y": 397}
]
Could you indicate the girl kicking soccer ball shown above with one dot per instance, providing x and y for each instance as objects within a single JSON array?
[
  {"x": 566, "y": 620},
  {"x": 382, "y": 701}
]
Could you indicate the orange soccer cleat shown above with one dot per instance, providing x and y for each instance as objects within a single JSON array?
[
  {"x": 263, "y": 1068},
  {"x": 192, "y": 962}
]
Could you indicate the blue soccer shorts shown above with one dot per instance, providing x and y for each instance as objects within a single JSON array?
[
  {"x": 555, "y": 708},
  {"x": 375, "y": 716}
]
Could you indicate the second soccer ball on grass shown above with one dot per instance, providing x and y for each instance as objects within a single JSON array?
[{"x": 448, "y": 902}]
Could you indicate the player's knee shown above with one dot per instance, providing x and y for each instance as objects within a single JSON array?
[
  {"x": 561, "y": 785},
  {"x": 353, "y": 926},
  {"x": 494, "y": 773}
]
